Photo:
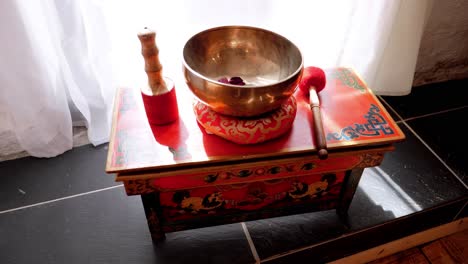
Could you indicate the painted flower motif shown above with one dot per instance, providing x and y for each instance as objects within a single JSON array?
[
  {"x": 211, "y": 178},
  {"x": 224, "y": 176},
  {"x": 260, "y": 171},
  {"x": 244, "y": 173},
  {"x": 275, "y": 170},
  {"x": 308, "y": 166}
]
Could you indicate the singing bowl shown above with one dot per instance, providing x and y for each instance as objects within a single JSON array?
[{"x": 270, "y": 65}]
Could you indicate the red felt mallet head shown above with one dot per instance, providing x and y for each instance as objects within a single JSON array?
[{"x": 312, "y": 76}]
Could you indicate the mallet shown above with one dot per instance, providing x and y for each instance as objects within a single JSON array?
[
  {"x": 159, "y": 96},
  {"x": 312, "y": 82}
]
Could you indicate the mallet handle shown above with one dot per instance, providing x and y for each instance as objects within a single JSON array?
[
  {"x": 153, "y": 66},
  {"x": 319, "y": 132}
]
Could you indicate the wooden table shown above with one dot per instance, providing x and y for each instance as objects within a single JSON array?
[{"x": 189, "y": 179}]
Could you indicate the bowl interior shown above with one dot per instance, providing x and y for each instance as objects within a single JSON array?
[{"x": 260, "y": 57}]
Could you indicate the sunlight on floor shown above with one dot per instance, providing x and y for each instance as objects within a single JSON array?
[{"x": 383, "y": 191}]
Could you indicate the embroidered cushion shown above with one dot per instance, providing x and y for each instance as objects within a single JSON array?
[{"x": 247, "y": 130}]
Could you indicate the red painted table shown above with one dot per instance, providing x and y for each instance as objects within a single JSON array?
[{"x": 189, "y": 179}]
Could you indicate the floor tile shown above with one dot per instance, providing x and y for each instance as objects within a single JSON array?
[
  {"x": 281, "y": 234},
  {"x": 443, "y": 134},
  {"x": 371, "y": 237},
  {"x": 409, "y": 180},
  {"x": 110, "y": 227},
  {"x": 218, "y": 244},
  {"x": 31, "y": 180},
  {"x": 430, "y": 98}
]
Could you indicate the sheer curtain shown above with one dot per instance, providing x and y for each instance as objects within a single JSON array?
[
  {"x": 54, "y": 65},
  {"x": 62, "y": 59}
]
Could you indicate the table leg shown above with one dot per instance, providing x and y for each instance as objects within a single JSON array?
[
  {"x": 349, "y": 188},
  {"x": 151, "y": 206}
]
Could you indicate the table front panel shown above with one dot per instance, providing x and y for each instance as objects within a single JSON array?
[
  {"x": 321, "y": 190},
  {"x": 259, "y": 171}
]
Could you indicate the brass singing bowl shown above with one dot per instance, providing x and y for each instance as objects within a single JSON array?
[{"x": 270, "y": 65}]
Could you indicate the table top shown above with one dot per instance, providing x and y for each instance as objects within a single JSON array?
[{"x": 352, "y": 117}]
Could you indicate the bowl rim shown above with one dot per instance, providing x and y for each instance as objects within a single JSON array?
[{"x": 185, "y": 64}]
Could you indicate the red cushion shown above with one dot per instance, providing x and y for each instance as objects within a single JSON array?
[{"x": 247, "y": 130}]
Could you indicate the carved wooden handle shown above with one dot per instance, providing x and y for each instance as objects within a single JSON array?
[
  {"x": 319, "y": 132},
  {"x": 153, "y": 66}
]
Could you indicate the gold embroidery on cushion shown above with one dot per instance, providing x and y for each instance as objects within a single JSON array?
[{"x": 246, "y": 131}]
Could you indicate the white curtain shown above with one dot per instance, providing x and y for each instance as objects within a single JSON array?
[
  {"x": 54, "y": 66},
  {"x": 61, "y": 60}
]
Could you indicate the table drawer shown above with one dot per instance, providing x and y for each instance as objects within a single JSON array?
[{"x": 320, "y": 190}]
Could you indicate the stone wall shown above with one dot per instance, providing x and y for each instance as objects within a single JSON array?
[{"x": 443, "y": 54}]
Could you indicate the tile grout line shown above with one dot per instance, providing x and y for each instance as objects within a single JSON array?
[
  {"x": 435, "y": 113},
  {"x": 426, "y": 145},
  {"x": 421, "y": 116},
  {"x": 293, "y": 251},
  {"x": 391, "y": 109},
  {"x": 59, "y": 199},
  {"x": 251, "y": 244}
]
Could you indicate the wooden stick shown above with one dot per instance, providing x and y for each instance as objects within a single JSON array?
[
  {"x": 153, "y": 66},
  {"x": 319, "y": 132}
]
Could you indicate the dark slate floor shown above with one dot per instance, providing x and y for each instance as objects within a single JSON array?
[{"x": 67, "y": 210}]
